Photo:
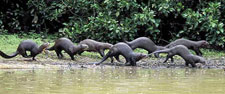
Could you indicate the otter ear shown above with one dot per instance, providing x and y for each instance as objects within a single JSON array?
[{"x": 205, "y": 44}]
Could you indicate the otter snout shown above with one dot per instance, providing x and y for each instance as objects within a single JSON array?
[
  {"x": 45, "y": 46},
  {"x": 84, "y": 46},
  {"x": 205, "y": 44},
  {"x": 203, "y": 62}
]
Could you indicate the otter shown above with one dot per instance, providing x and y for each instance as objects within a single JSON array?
[
  {"x": 193, "y": 45},
  {"x": 68, "y": 46},
  {"x": 124, "y": 50},
  {"x": 182, "y": 51},
  {"x": 145, "y": 43},
  {"x": 95, "y": 46},
  {"x": 27, "y": 45}
]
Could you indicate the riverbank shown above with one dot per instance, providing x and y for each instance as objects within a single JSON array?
[
  {"x": 9, "y": 43},
  {"x": 87, "y": 62}
]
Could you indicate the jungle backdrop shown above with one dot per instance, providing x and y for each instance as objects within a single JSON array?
[{"x": 117, "y": 20}]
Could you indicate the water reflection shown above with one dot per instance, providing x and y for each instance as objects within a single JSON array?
[{"x": 115, "y": 80}]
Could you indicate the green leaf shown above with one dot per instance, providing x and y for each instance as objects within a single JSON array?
[{"x": 117, "y": 13}]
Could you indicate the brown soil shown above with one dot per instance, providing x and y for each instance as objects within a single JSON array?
[{"x": 88, "y": 62}]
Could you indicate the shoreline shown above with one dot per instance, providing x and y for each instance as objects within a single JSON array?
[{"x": 86, "y": 62}]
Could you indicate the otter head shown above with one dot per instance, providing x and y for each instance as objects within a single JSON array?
[
  {"x": 205, "y": 44},
  {"x": 139, "y": 56},
  {"x": 79, "y": 47},
  {"x": 43, "y": 47},
  {"x": 200, "y": 60},
  {"x": 83, "y": 46},
  {"x": 108, "y": 45}
]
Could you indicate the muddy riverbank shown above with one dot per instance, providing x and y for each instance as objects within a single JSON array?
[{"x": 86, "y": 62}]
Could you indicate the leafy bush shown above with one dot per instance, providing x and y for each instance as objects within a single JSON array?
[{"x": 115, "y": 20}]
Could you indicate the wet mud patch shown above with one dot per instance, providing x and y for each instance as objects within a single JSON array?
[{"x": 88, "y": 62}]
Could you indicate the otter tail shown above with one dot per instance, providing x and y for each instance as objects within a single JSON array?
[
  {"x": 9, "y": 56},
  {"x": 160, "y": 48},
  {"x": 167, "y": 46},
  {"x": 104, "y": 58},
  {"x": 160, "y": 51},
  {"x": 51, "y": 48},
  {"x": 125, "y": 41}
]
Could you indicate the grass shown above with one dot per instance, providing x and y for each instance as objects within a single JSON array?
[{"x": 9, "y": 44}]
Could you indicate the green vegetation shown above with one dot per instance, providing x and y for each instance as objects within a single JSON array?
[
  {"x": 9, "y": 44},
  {"x": 115, "y": 20}
]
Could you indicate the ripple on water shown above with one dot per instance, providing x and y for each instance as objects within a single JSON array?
[{"x": 121, "y": 80}]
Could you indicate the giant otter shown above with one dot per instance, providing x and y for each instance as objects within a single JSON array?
[
  {"x": 194, "y": 45},
  {"x": 182, "y": 51},
  {"x": 95, "y": 46},
  {"x": 145, "y": 43},
  {"x": 124, "y": 50},
  {"x": 27, "y": 45},
  {"x": 68, "y": 46}
]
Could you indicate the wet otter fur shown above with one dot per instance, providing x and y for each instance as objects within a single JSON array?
[
  {"x": 182, "y": 51},
  {"x": 95, "y": 46},
  {"x": 193, "y": 45},
  {"x": 145, "y": 43},
  {"x": 27, "y": 45},
  {"x": 68, "y": 46},
  {"x": 124, "y": 50}
]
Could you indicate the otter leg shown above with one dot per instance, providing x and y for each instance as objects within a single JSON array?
[
  {"x": 112, "y": 60},
  {"x": 101, "y": 52},
  {"x": 172, "y": 60},
  {"x": 80, "y": 52},
  {"x": 156, "y": 55},
  {"x": 132, "y": 61},
  {"x": 117, "y": 58},
  {"x": 197, "y": 51},
  {"x": 193, "y": 64},
  {"x": 33, "y": 54},
  {"x": 127, "y": 62},
  {"x": 27, "y": 56},
  {"x": 72, "y": 56},
  {"x": 34, "y": 58},
  {"x": 23, "y": 53},
  {"x": 167, "y": 57},
  {"x": 186, "y": 63},
  {"x": 149, "y": 54},
  {"x": 60, "y": 53}
]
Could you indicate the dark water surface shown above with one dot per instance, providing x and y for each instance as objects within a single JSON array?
[{"x": 113, "y": 80}]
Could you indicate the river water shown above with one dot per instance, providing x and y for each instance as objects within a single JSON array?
[{"x": 113, "y": 80}]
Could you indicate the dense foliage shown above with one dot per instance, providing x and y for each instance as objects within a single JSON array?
[{"x": 115, "y": 20}]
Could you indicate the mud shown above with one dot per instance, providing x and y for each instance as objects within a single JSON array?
[{"x": 87, "y": 62}]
